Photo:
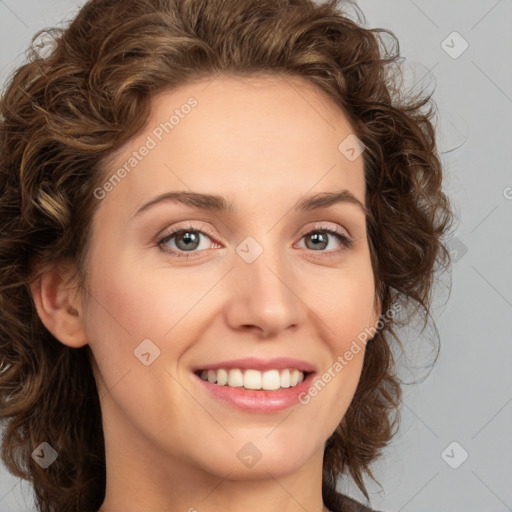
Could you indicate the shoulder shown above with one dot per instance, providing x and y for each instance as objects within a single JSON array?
[{"x": 347, "y": 504}]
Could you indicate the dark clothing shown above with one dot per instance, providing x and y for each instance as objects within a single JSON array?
[{"x": 346, "y": 504}]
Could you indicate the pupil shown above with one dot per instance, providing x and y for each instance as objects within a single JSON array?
[
  {"x": 189, "y": 237},
  {"x": 317, "y": 241}
]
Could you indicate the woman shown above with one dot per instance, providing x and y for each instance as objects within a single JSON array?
[{"x": 177, "y": 333}]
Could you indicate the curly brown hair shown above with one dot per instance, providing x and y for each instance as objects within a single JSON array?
[{"x": 62, "y": 116}]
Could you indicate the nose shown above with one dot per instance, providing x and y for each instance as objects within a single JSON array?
[{"x": 264, "y": 297}]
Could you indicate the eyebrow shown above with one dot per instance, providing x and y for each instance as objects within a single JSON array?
[{"x": 219, "y": 204}]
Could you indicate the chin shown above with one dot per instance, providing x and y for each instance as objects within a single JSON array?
[{"x": 243, "y": 459}]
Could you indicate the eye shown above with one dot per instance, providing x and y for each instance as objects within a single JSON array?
[
  {"x": 186, "y": 242},
  {"x": 181, "y": 241},
  {"x": 318, "y": 239}
]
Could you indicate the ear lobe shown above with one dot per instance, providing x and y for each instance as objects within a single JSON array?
[{"x": 57, "y": 306}]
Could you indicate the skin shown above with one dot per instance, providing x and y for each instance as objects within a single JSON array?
[{"x": 170, "y": 446}]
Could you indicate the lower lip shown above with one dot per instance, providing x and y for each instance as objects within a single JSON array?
[{"x": 260, "y": 401}]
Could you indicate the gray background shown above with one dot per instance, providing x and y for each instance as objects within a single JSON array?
[{"x": 467, "y": 397}]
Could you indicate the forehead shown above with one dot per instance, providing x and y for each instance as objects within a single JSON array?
[
  {"x": 254, "y": 108},
  {"x": 239, "y": 133}
]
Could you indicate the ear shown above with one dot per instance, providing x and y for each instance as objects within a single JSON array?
[{"x": 58, "y": 305}]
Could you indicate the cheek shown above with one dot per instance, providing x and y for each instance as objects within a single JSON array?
[
  {"x": 138, "y": 302},
  {"x": 133, "y": 300},
  {"x": 130, "y": 302},
  {"x": 345, "y": 304}
]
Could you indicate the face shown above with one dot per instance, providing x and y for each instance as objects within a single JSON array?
[{"x": 267, "y": 277}]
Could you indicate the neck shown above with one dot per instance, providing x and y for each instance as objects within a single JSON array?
[{"x": 138, "y": 479}]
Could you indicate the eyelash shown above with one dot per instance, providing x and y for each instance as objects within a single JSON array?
[{"x": 346, "y": 242}]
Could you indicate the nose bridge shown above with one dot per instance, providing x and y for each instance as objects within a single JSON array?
[{"x": 265, "y": 284}]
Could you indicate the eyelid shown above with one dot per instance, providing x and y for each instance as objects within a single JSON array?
[
  {"x": 341, "y": 234},
  {"x": 304, "y": 231},
  {"x": 344, "y": 238},
  {"x": 327, "y": 227},
  {"x": 187, "y": 226}
]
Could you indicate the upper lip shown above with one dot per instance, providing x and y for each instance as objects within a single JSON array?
[{"x": 278, "y": 363}]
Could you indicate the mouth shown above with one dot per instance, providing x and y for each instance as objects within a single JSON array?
[
  {"x": 254, "y": 384},
  {"x": 253, "y": 391},
  {"x": 253, "y": 379}
]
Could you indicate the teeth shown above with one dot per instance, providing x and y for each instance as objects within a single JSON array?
[
  {"x": 285, "y": 378},
  {"x": 222, "y": 377},
  {"x": 254, "y": 379},
  {"x": 235, "y": 378}
]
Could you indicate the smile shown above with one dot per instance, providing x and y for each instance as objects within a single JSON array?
[
  {"x": 269, "y": 380},
  {"x": 286, "y": 386}
]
